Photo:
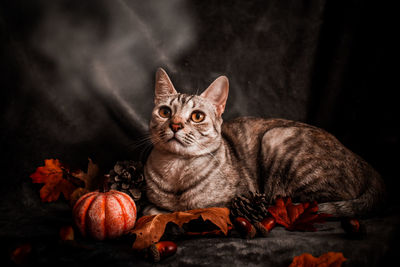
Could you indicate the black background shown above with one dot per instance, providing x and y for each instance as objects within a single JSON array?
[{"x": 77, "y": 76}]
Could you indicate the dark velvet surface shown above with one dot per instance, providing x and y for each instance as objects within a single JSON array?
[{"x": 77, "y": 81}]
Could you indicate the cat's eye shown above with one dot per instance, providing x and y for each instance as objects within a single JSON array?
[
  {"x": 198, "y": 116},
  {"x": 165, "y": 112}
]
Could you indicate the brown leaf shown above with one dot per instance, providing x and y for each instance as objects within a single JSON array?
[
  {"x": 300, "y": 217},
  {"x": 208, "y": 233},
  {"x": 76, "y": 195},
  {"x": 90, "y": 177},
  {"x": 52, "y": 176},
  {"x": 332, "y": 259},
  {"x": 149, "y": 229}
]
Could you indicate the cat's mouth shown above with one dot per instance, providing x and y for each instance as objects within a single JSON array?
[{"x": 174, "y": 139}]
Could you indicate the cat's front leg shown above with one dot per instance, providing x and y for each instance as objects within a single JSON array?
[{"x": 153, "y": 210}]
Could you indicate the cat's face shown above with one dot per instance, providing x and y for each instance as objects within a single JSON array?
[{"x": 187, "y": 125}]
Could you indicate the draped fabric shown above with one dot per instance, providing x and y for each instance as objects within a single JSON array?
[{"x": 77, "y": 77}]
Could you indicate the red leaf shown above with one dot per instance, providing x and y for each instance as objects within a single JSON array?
[
  {"x": 333, "y": 259},
  {"x": 300, "y": 217},
  {"x": 51, "y": 175},
  {"x": 21, "y": 254}
]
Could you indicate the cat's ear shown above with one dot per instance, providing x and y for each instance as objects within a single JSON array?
[
  {"x": 164, "y": 86},
  {"x": 217, "y": 93}
]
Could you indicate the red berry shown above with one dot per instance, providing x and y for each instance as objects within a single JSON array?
[
  {"x": 245, "y": 228},
  {"x": 265, "y": 226},
  {"x": 166, "y": 248},
  {"x": 353, "y": 227},
  {"x": 161, "y": 250},
  {"x": 269, "y": 223}
]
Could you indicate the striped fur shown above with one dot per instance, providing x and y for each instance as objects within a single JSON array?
[{"x": 208, "y": 163}]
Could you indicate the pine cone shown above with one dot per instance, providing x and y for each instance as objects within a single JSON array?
[
  {"x": 254, "y": 207},
  {"x": 128, "y": 177}
]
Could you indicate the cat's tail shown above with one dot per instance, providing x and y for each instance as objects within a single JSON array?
[{"x": 370, "y": 202}]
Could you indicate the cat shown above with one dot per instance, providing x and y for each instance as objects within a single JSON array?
[{"x": 198, "y": 161}]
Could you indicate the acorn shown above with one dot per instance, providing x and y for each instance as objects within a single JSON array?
[
  {"x": 353, "y": 227},
  {"x": 245, "y": 228},
  {"x": 265, "y": 226},
  {"x": 161, "y": 250}
]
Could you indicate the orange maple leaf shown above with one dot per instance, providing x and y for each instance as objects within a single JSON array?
[
  {"x": 51, "y": 175},
  {"x": 332, "y": 259},
  {"x": 149, "y": 229},
  {"x": 300, "y": 217},
  {"x": 20, "y": 256}
]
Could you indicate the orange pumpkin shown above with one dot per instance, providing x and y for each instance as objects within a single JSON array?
[{"x": 104, "y": 215}]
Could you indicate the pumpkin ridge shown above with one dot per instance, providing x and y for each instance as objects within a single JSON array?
[
  {"x": 86, "y": 211},
  {"x": 130, "y": 200},
  {"x": 84, "y": 197},
  {"x": 104, "y": 203},
  {"x": 124, "y": 214},
  {"x": 90, "y": 199}
]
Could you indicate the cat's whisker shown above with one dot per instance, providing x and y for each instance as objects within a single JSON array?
[
  {"x": 155, "y": 140},
  {"x": 145, "y": 141},
  {"x": 149, "y": 146},
  {"x": 138, "y": 142},
  {"x": 188, "y": 139},
  {"x": 139, "y": 145},
  {"x": 162, "y": 135},
  {"x": 142, "y": 141}
]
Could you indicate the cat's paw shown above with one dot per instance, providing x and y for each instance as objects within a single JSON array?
[{"x": 153, "y": 210}]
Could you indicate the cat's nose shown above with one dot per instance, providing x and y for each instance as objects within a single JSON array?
[{"x": 176, "y": 126}]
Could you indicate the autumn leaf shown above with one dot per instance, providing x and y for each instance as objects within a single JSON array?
[
  {"x": 90, "y": 177},
  {"x": 331, "y": 259},
  {"x": 208, "y": 233},
  {"x": 51, "y": 175},
  {"x": 300, "y": 217},
  {"x": 20, "y": 255},
  {"x": 149, "y": 229}
]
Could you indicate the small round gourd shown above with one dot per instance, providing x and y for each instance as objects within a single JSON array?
[{"x": 104, "y": 215}]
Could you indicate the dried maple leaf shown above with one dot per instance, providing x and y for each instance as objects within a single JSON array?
[
  {"x": 300, "y": 217},
  {"x": 149, "y": 229},
  {"x": 51, "y": 175},
  {"x": 90, "y": 177},
  {"x": 332, "y": 259}
]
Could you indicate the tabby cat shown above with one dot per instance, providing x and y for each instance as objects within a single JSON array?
[{"x": 198, "y": 161}]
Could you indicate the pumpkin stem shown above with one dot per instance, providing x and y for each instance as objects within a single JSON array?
[{"x": 104, "y": 185}]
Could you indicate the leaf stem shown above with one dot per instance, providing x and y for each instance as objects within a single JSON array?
[{"x": 72, "y": 179}]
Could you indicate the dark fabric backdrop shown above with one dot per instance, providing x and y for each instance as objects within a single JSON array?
[{"x": 77, "y": 76}]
